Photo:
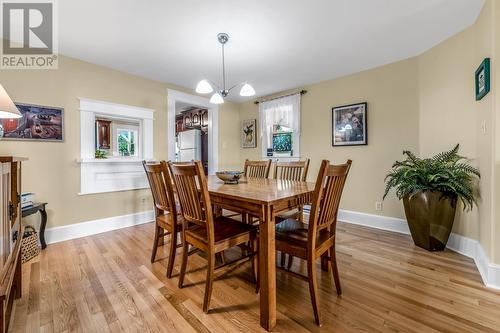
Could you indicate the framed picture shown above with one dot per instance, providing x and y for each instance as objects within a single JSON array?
[
  {"x": 249, "y": 133},
  {"x": 482, "y": 78},
  {"x": 349, "y": 125},
  {"x": 38, "y": 123}
]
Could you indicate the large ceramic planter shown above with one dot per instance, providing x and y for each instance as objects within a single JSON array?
[{"x": 430, "y": 216}]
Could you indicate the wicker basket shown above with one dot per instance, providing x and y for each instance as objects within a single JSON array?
[{"x": 29, "y": 244}]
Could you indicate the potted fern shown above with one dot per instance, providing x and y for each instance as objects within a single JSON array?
[{"x": 430, "y": 189}]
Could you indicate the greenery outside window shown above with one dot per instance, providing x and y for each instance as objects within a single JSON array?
[{"x": 127, "y": 142}]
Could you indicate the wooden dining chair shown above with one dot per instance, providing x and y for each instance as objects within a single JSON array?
[
  {"x": 293, "y": 171},
  {"x": 257, "y": 169},
  {"x": 310, "y": 241},
  {"x": 253, "y": 169},
  {"x": 166, "y": 215},
  {"x": 202, "y": 230}
]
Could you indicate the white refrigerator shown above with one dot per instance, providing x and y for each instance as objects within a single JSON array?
[{"x": 189, "y": 143}]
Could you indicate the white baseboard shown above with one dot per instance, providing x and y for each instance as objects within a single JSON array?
[
  {"x": 374, "y": 221},
  {"x": 490, "y": 272},
  {"x": 77, "y": 230}
]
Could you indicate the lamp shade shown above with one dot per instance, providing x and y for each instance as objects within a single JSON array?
[
  {"x": 203, "y": 87},
  {"x": 247, "y": 90},
  {"x": 216, "y": 99},
  {"x": 7, "y": 107}
]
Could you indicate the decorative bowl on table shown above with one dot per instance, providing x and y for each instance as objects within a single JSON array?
[{"x": 229, "y": 177}]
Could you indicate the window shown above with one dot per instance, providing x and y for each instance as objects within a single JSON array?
[
  {"x": 280, "y": 123},
  {"x": 126, "y": 139}
]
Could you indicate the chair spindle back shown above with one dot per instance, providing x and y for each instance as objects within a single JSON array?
[
  {"x": 192, "y": 191},
  {"x": 327, "y": 194},
  {"x": 257, "y": 169},
  {"x": 161, "y": 186},
  {"x": 296, "y": 171}
]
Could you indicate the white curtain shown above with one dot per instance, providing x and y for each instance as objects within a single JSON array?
[{"x": 285, "y": 112}]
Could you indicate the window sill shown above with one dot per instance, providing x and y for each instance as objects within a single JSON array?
[{"x": 110, "y": 160}]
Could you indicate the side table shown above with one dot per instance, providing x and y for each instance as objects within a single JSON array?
[{"x": 38, "y": 207}]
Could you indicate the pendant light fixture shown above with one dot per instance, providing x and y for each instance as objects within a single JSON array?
[{"x": 206, "y": 87}]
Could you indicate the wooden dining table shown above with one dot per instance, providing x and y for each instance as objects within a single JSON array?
[{"x": 262, "y": 199}]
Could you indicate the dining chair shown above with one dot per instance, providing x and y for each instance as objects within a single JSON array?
[
  {"x": 293, "y": 171},
  {"x": 202, "y": 230},
  {"x": 253, "y": 169},
  {"x": 257, "y": 169},
  {"x": 166, "y": 214},
  {"x": 310, "y": 241}
]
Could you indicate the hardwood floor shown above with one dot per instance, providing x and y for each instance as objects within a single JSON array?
[{"x": 106, "y": 283}]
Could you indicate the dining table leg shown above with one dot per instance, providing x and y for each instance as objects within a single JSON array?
[{"x": 267, "y": 269}]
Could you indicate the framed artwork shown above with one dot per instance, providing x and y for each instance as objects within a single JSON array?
[
  {"x": 38, "y": 123},
  {"x": 482, "y": 78},
  {"x": 349, "y": 125},
  {"x": 249, "y": 133}
]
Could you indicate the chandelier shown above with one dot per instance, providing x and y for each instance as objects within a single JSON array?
[{"x": 205, "y": 86}]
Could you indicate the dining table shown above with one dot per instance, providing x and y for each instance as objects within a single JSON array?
[{"x": 263, "y": 199}]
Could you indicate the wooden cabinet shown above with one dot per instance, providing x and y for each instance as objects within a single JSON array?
[
  {"x": 103, "y": 134},
  {"x": 179, "y": 124},
  {"x": 10, "y": 236},
  {"x": 204, "y": 118},
  {"x": 192, "y": 119}
]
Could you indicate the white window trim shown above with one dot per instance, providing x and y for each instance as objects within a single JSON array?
[{"x": 115, "y": 173}]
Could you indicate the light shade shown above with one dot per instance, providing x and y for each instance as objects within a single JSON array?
[
  {"x": 203, "y": 87},
  {"x": 247, "y": 90},
  {"x": 216, "y": 99},
  {"x": 7, "y": 107}
]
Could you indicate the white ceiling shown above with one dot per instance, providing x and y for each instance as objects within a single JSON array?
[{"x": 275, "y": 45}]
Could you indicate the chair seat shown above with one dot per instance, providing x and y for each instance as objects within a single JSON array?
[
  {"x": 295, "y": 233},
  {"x": 290, "y": 214},
  {"x": 224, "y": 229}
]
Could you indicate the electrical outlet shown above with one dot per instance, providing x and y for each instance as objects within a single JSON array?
[
  {"x": 378, "y": 206},
  {"x": 143, "y": 200}
]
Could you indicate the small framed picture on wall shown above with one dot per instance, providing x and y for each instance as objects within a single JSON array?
[
  {"x": 349, "y": 125},
  {"x": 248, "y": 133},
  {"x": 482, "y": 78}
]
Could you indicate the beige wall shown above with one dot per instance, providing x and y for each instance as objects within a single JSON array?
[
  {"x": 229, "y": 131},
  {"x": 449, "y": 114},
  {"x": 496, "y": 131},
  {"x": 52, "y": 172},
  {"x": 392, "y": 95}
]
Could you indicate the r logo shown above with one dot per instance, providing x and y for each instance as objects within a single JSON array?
[{"x": 27, "y": 28}]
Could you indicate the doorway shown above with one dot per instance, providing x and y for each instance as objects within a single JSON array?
[
  {"x": 199, "y": 128},
  {"x": 191, "y": 134}
]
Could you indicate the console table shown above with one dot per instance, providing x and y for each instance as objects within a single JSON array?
[{"x": 38, "y": 207}]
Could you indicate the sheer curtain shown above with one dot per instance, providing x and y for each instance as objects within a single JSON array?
[{"x": 285, "y": 112}]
